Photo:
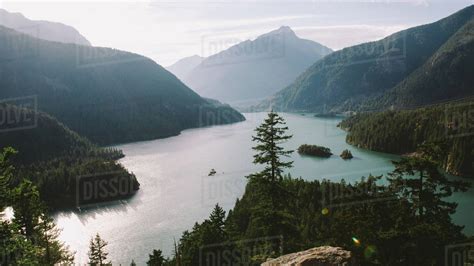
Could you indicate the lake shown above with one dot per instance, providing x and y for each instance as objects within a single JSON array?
[{"x": 176, "y": 190}]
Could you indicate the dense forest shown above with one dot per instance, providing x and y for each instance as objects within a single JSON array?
[
  {"x": 403, "y": 130},
  {"x": 53, "y": 157},
  {"x": 106, "y": 95},
  {"x": 420, "y": 65}
]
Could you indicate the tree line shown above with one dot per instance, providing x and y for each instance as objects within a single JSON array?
[{"x": 407, "y": 221}]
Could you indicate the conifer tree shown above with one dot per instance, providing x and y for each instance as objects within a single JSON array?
[
  {"x": 217, "y": 217},
  {"x": 97, "y": 253},
  {"x": 156, "y": 258},
  {"x": 270, "y": 135},
  {"x": 430, "y": 185}
]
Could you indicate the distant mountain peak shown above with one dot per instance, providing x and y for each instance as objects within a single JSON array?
[
  {"x": 46, "y": 30},
  {"x": 252, "y": 69},
  {"x": 196, "y": 56},
  {"x": 283, "y": 30}
]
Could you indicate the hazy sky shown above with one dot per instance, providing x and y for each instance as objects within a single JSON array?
[{"x": 169, "y": 30}]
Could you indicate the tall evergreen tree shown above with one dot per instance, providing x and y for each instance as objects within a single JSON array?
[
  {"x": 217, "y": 217},
  {"x": 427, "y": 185},
  {"x": 270, "y": 135},
  {"x": 97, "y": 253},
  {"x": 27, "y": 206},
  {"x": 46, "y": 235},
  {"x": 156, "y": 258}
]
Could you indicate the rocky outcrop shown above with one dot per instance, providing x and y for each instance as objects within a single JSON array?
[{"x": 319, "y": 256}]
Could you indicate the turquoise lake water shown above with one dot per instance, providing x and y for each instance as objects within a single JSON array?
[{"x": 176, "y": 190}]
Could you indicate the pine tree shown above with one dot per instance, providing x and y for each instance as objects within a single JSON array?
[
  {"x": 46, "y": 235},
  {"x": 156, "y": 258},
  {"x": 270, "y": 136},
  {"x": 97, "y": 253},
  {"x": 429, "y": 186},
  {"x": 217, "y": 217},
  {"x": 27, "y": 207}
]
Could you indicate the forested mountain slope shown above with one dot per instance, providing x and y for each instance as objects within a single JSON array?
[
  {"x": 402, "y": 131},
  {"x": 448, "y": 74},
  {"x": 106, "y": 95},
  {"x": 54, "y": 157},
  {"x": 357, "y": 74}
]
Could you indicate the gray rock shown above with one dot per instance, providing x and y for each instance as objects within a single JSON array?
[{"x": 319, "y": 256}]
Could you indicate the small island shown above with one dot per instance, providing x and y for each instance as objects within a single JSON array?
[
  {"x": 346, "y": 154},
  {"x": 314, "y": 150}
]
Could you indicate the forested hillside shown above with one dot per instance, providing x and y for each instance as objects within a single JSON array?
[
  {"x": 402, "y": 131},
  {"x": 448, "y": 74},
  {"x": 357, "y": 74},
  {"x": 106, "y": 95},
  {"x": 54, "y": 158}
]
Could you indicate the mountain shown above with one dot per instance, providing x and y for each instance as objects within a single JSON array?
[
  {"x": 50, "y": 31},
  {"x": 255, "y": 69},
  {"x": 183, "y": 67},
  {"x": 106, "y": 95},
  {"x": 446, "y": 75},
  {"x": 355, "y": 75}
]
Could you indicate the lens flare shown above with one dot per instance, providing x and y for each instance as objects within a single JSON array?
[
  {"x": 356, "y": 241},
  {"x": 325, "y": 211}
]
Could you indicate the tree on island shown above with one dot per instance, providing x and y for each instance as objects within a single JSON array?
[
  {"x": 346, "y": 154},
  {"x": 314, "y": 150},
  {"x": 97, "y": 253},
  {"x": 270, "y": 136}
]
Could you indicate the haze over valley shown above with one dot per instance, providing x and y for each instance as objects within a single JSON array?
[{"x": 236, "y": 133}]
